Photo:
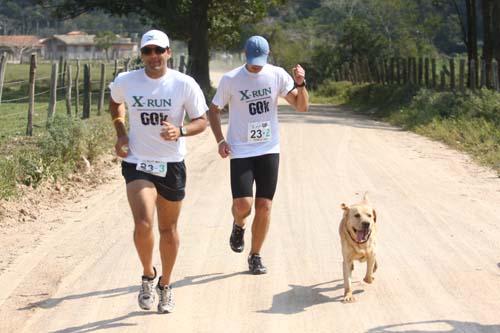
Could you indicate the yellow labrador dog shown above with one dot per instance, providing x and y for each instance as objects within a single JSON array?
[{"x": 358, "y": 231}]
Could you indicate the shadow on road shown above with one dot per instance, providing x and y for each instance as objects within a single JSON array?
[
  {"x": 52, "y": 302},
  {"x": 299, "y": 298},
  {"x": 444, "y": 326},
  {"x": 106, "y": 324},
  {"x": 204, "y": 278},
  {"x": 186, "y": 281}
]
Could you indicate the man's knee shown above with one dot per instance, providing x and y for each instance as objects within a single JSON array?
[
  {"x": 263, "y": 206},
  {"x": 242, "y": 206},
  {"x": 143, "y": 228},
  {"x": 168, "y": 233}
]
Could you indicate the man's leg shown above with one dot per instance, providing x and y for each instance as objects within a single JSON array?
[
  {"x": 141, "y": 196},
  {"x": 260, "y": 224},
  {"x": 168, "y": 214},
  {"x": 241, "y": 188},
  {"x": 241, "y": 209},
  {"x": 266, "y": 178}
]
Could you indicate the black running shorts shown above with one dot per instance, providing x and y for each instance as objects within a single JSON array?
[
  {"x": 261, "y": 169},
  {"x": 171, "y": 187}
]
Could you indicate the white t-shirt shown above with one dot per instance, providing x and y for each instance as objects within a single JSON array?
[
  {"x": 151, "y": 101},
  {"x": 253, "y": 108}
]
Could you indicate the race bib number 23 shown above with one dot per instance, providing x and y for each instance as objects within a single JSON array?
[
  {"x": 156, "y": 168},
  {"x": 259, "y": 132}
]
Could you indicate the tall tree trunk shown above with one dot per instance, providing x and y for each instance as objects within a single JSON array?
[
  {"x": 496, "y": 32},
  {"x": 487, "y": 9},
  {"x": 471, "y": 35},
  {"x": 198, "y": 44}
]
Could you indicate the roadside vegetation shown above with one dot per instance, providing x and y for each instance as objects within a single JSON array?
[{"x": 67, "y": 146}]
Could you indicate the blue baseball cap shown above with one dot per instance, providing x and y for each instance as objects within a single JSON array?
[{"x": 256, "y": 51}]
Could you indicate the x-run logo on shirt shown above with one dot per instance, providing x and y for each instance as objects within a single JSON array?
[
  {"x": 150, "y": 102},
  {"x": 249, "y": 94}
]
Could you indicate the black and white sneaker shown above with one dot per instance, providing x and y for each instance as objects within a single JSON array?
[
  {"x": 146, "y": 295},
  {"x": 237, "y": 241},
  {"x": 255, "y": 264}
]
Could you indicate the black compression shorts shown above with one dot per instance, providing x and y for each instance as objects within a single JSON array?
[
  {"x": 261, "y": 169},
  {"x": 171, "y": 187}
]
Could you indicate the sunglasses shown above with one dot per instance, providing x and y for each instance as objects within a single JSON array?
[{"x": 157, "y": 50}]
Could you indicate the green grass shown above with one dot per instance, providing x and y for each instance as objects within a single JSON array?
[
  {"x": 469, "y": 122},
  {"x": 16, "y": 83}
]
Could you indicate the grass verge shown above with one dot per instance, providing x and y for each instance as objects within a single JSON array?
[{"x": 66, "y": 147}]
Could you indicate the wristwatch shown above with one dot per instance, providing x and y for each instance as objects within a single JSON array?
[
  {"x": 183, "y": 130},
  {"x": 299, "y": 85}
]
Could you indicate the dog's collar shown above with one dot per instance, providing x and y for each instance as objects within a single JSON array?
[{"x": 367, "y": 238}]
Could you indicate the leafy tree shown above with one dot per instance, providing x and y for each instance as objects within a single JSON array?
[
  {"x": 104, "y": 40},
  {"x": 190, "y": 20}
]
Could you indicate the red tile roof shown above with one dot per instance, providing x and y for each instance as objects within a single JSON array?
[{"x": 19, "y": 40}]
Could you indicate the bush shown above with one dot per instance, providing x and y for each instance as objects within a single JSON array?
[{"x": 56, "y": 154}]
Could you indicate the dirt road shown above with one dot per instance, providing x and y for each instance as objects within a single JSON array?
[{"x": 438, "y": 248}]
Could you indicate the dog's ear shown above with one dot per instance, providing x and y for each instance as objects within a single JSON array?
[
  {"x": 344, "y": 207},
  {"x": 374, "y": 216}
]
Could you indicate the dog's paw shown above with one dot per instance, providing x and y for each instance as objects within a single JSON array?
[
  {"x": 368, "y": 279},
  {"x": 348, "y": 298}
]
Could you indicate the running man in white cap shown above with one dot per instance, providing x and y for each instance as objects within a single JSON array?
[
  {"x": 252, "y": 142},
  {"x": 157, "y": 99}
]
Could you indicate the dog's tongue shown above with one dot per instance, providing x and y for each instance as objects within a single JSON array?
[{"x": 361, "y": 235}]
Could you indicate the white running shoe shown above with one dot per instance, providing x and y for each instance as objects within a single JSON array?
[
  {"x": 146, "y": 296},
  {"x": 166, "y": 295}
]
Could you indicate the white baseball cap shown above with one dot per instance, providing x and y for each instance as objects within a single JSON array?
[{"x": 155, "y": 37}]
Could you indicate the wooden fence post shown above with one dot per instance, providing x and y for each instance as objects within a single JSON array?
[
  {"x": 452, "y": 74},
  {"x": 405, "y": 71},
  {"x": 3, "y": 65},
  {"x": 53, "y": 92},
  {"x": 420, "y": 71},
  {"x": 68, "y": 90},
  {"x": 398, "y": 70},
  {"x": 426, "y": 72},
  {"x": 86, "y": 91},
  {"x": 482, "y": 80},
  {"x": 63, "y": 73},
  {"x": 434, "y": 76},
  {"x": 384, "y": 71},
  {"x": 100, "y": 106},
  {"x": 391, "y": 70},
  {"x": 414, "y": 70},
  {"x": 472, "y": 75},
  {"x": 115, "y": 71},
  {"x": 127, "y": 63},
  {"x": 462, "y": 75},
  {"x": 495, "y": 80},
  {"x": 182, "y": 64},
  {"x": 443, "y": 80},
  {"x": 31, "y": 94},
  {"x": 369, "y": 76},
  {"x": 77, "y": 87}
]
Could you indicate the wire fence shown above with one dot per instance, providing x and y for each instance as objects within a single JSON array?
[{"x": 34, "y": 102}]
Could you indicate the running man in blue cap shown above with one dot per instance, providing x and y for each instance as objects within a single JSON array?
[{"x": 252, "y": 140}]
